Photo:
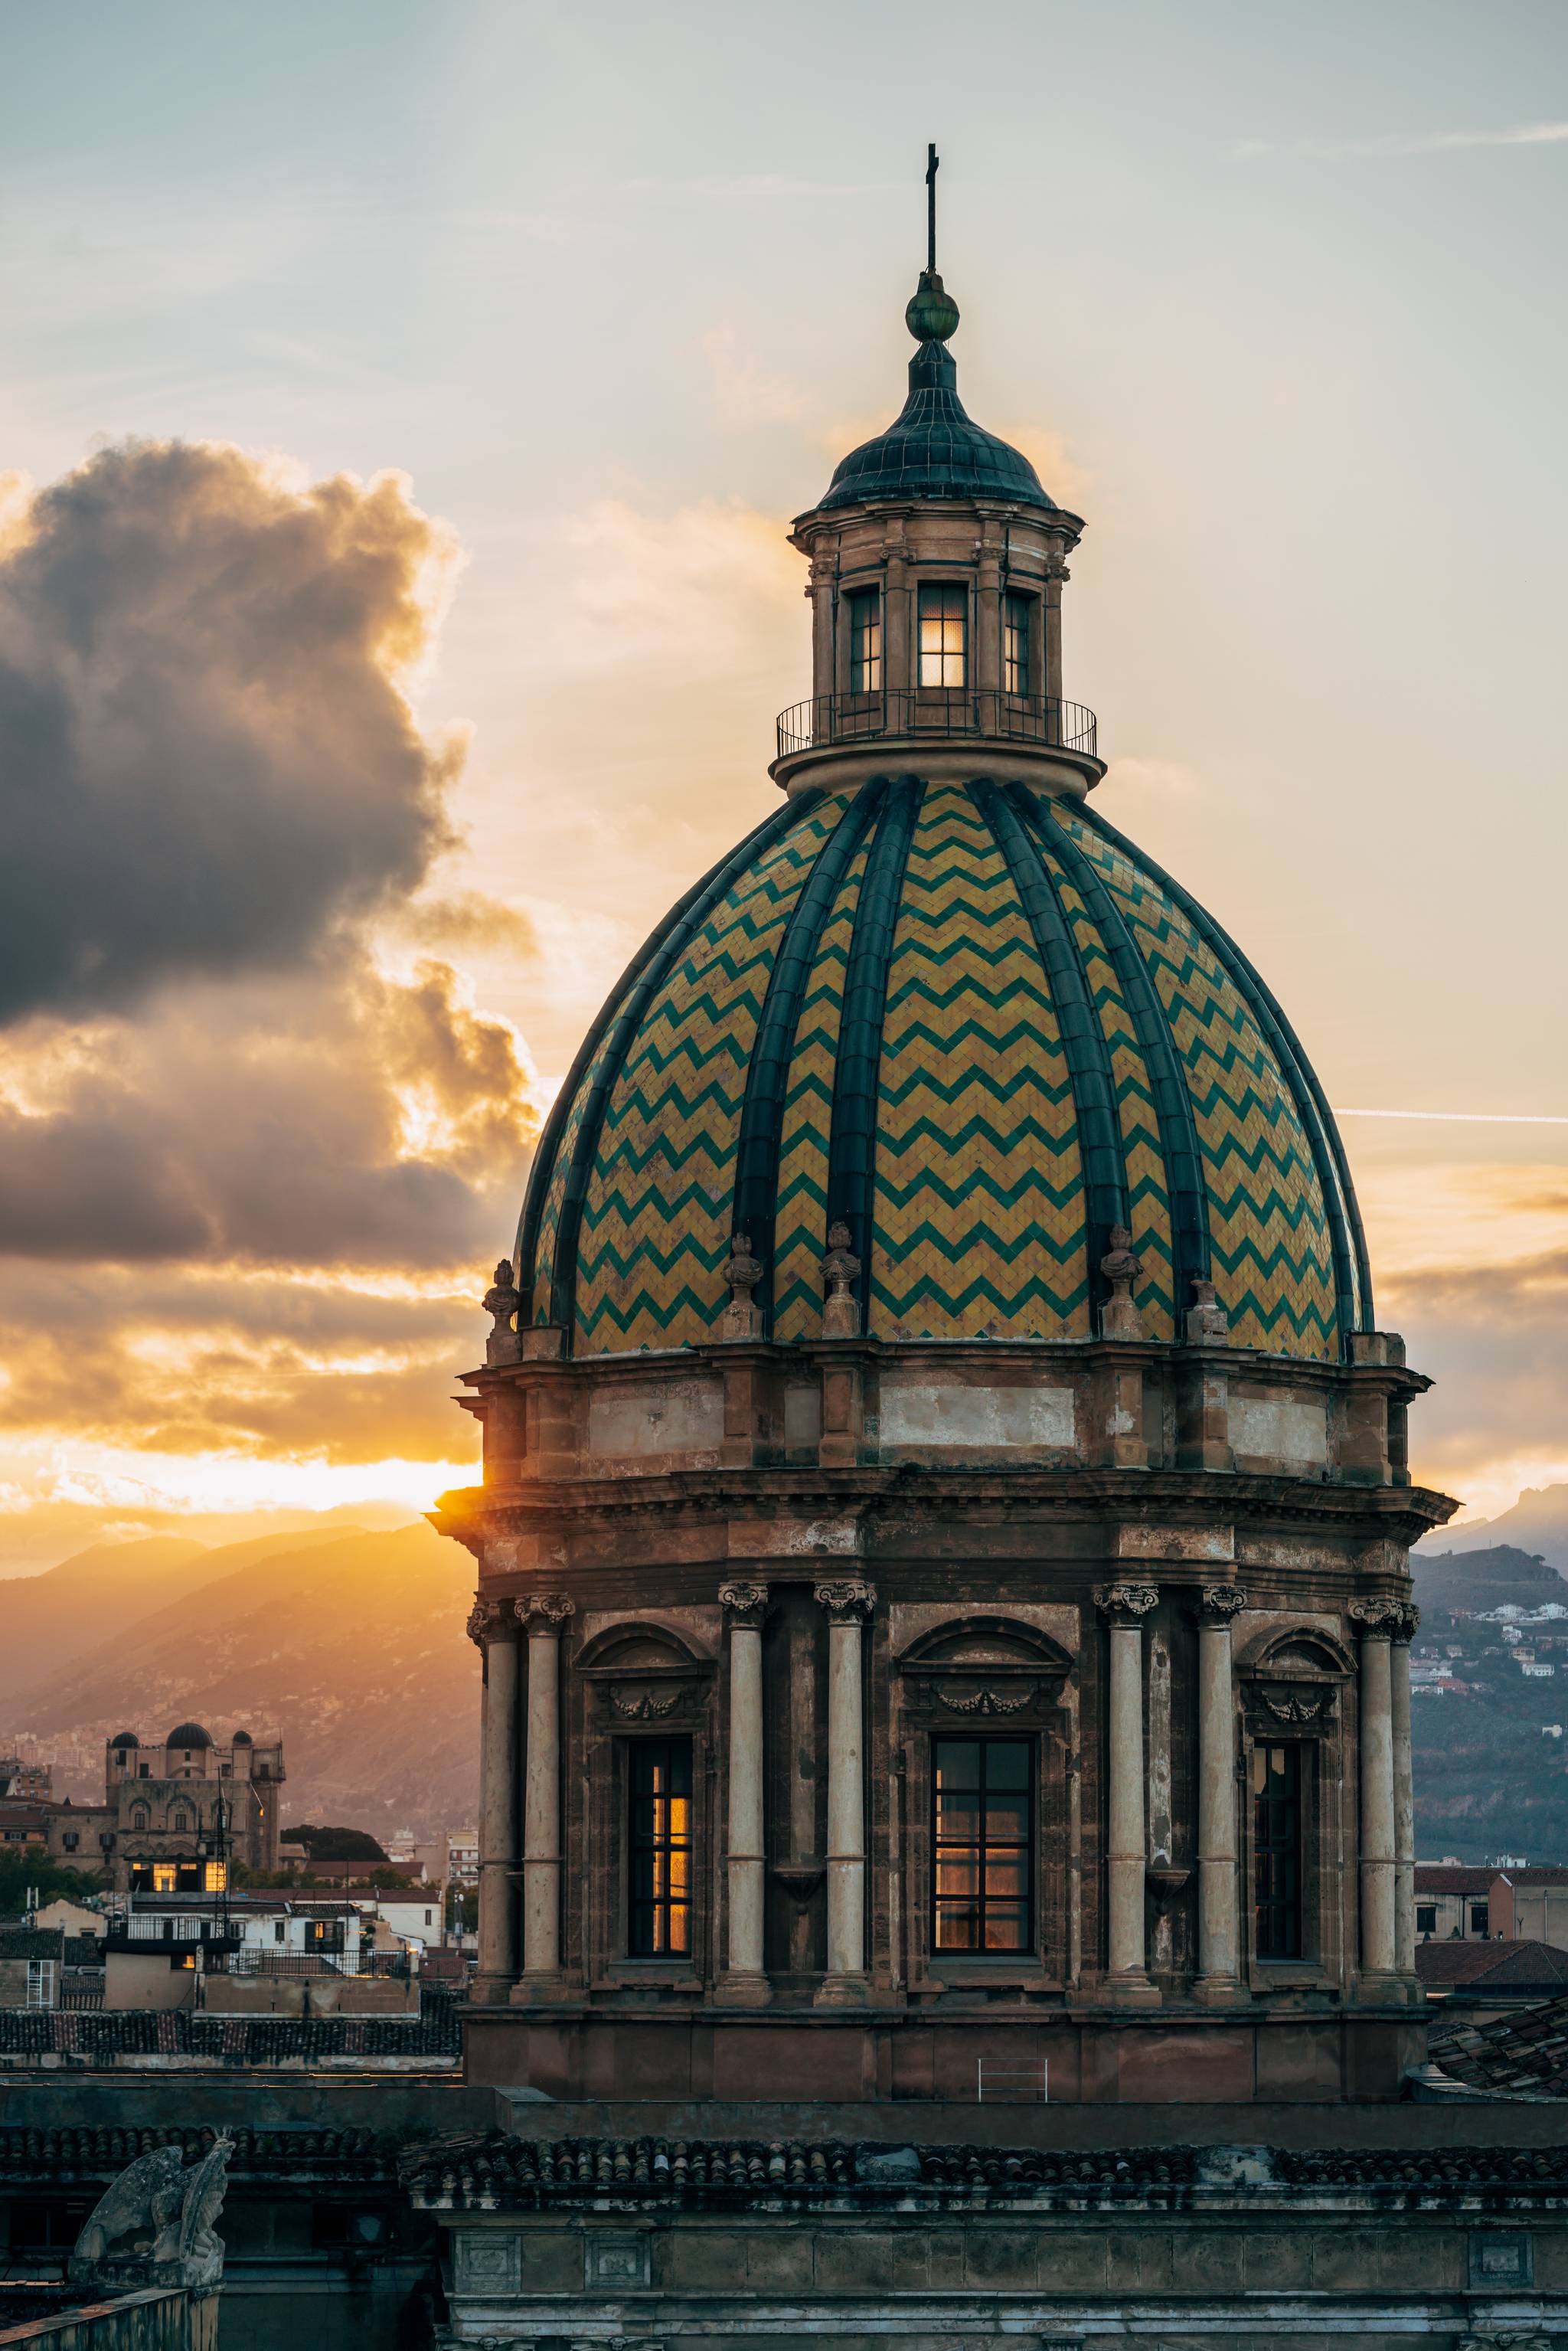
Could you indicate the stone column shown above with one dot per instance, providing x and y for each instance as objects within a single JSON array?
[
  {"x": 1404, "y": 1795},
  {"x": 494, "y": 1627},
  {"x": 544, "y": 1615},
  {"x": 1056, "y": 573},
  {"x": 1124, "y": 1606},
  {"x": 848, "y": 1604},
  {"x": 1377, "y": 1620},
  {"x": 1219, "y": 1937},
  {"x": 743, "y": 1983}
]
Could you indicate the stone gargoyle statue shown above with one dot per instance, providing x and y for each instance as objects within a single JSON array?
[{"x": 166, "y": 2212}]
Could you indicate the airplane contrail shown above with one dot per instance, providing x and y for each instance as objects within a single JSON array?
[{"x": 1466, "y": 1117}]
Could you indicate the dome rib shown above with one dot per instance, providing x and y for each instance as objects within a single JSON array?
[
  {"x": 1352, "y": 1276},
  {"x": 857, "y": 1072},
  {"x": 1083, "y": 1033},
  {"x": 1173, "y": 1104},
  {"x": 768, "y": 1073},
  {"x": 675, "y": 934}
]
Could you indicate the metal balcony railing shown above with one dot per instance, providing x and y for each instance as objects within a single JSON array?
[{"x": 831, "y": 718}]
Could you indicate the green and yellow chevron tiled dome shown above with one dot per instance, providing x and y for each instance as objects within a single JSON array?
[{"x": 977, "y": 1027}]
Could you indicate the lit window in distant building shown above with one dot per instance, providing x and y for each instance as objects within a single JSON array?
[
  {"x": 215, "y": 1876},
  {"x": 661, "y": 1842},
  {"x": 865, "y": 641},
  {"x": 943, "y": 629},
  {"x": 1017, "y": 613},
  {"x": 1277, "y": 1850},
  {"x": 165, "y": 1875}
]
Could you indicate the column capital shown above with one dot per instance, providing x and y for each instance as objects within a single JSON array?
[
  {"x": 846, "y": 1603},
  {"x": 1382, "y": 1619},
  {"x": 744, "y": 1604},
  {"x": 1125, "y": 1603},
  {"x": 553, "y": 1607},
  {"x": 491, "y": 1620},
  {"x": 1218, "y": 1603}
]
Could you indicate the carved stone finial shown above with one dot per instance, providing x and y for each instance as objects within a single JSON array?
[
  {"x": 846, "y": 1603},
  {"x": 168, "y": 2211},
  {"x": 491, "y": 1620},
  {"x": 502, "y": 1301},
  {"x": 742, "y": 1271},
  {"x": 840, "y": 1269},
  {"x": 744, "y": 1604},
  {"x": 1119, "y": 1317},
  {"x": 1125, "y": 1603},
  {"x": 1207, "y": 1323},
  {"x": 1218, "y": 1603}
]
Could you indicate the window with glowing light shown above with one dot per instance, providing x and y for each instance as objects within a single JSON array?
[
  {"x": 943, "y": 635},
  {"x": 661, "y": 1848},
  {"x": 1277, "y": 1851},
  {"x": 164, "y": 1877},
  {"x": 865, "y": 641},
  {"x": 1018, "y": 618},
  {"x": 215, "y": 1878},
  {"x": 981, "y": 1845}
]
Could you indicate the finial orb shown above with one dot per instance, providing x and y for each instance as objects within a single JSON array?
[{"x": 932, "y": 315}]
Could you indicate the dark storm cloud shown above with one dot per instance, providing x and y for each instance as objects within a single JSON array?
[
  {"x": 206, "y": 759},
  {"x": 289, "y": 1123}
]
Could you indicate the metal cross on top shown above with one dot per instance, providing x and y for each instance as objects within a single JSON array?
[{"x": 932, "y": 163}]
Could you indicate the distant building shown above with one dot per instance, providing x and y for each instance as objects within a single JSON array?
[
  {"x": 1452, "y": 1902},
  {"x": 178, "y": 1813},
  {"x": 463, "y": 1857},
  {"x": 1530, "y": 1905},
  {"x": 20, "y": 1777}
]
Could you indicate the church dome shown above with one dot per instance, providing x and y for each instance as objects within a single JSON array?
[
  {"x": 934, "y": 449},
  {"x": 970, "y": 1022},
  {"x": 125, "y": 1738},
  {"x": 188, "y": 1734}
]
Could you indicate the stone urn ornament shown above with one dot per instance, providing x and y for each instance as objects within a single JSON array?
[
  {"x": 840, "y": 1269},
  {"x": 1119, "y": 1317},
  {"x": 742, "y": 1271},
  {"x": 502, "y": 1301}
]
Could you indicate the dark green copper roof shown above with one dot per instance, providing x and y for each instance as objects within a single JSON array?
[{"x": 934, "y": 449}]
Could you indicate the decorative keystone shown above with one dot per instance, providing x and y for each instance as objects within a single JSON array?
[
  {"x": 1207, "y": 1323},
  {"x": 501, "y": 1302},
  {"x": 848, "y": 1603},
  {"x": 1218, "y": 1603},
  {"x": 1125, "y": 1603},
  {"x": 1119, "y": 1317},
  {"x": 742, "y": 1271},
  {"x": 841, "y": 1271},
  {"x": 745, "y": 1604}
]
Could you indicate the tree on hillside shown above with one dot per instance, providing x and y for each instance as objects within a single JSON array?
[{"x": 330, "y": 1843}]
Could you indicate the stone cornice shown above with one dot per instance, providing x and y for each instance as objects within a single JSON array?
[{"x": 1178, "y": 1498}]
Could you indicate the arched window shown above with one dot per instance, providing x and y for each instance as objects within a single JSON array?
[
  {"x": 141, "y": 1818},
  {"x": 181, "y": 1824}
]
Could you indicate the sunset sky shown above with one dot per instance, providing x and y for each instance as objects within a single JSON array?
[{"x": 404, "y": 411}]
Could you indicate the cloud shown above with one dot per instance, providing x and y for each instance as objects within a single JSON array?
[
  {"x": 287, "y": 1121},
  {"x": 210, "y": 757},
  {"x": 744, "y": 392},
  {"x": 1416, "y": 142}
]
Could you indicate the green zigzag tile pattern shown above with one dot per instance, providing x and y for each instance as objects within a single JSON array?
[
  {"x": 979, "y": 1220},
  {"x": 1268, "y": 1233},
  {"x": 656, "y": 1224},
  {"x": 1148, "y": 1203},
  {"x": 800, "y": 1232}
]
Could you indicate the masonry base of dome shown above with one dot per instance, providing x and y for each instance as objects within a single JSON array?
[{"x": 845, "y": 767}]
